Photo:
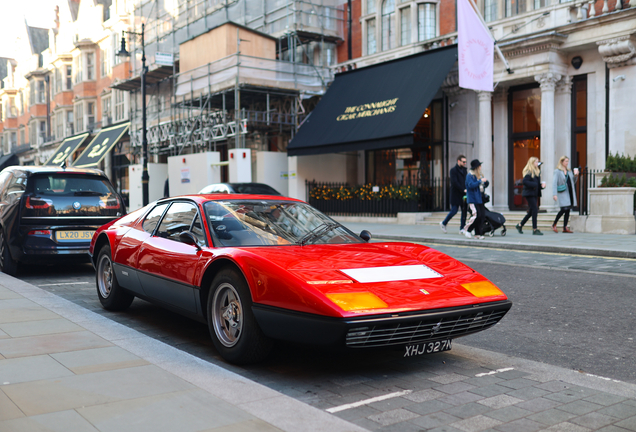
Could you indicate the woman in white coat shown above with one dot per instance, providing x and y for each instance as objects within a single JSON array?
[{"x": 563, "y": 192}]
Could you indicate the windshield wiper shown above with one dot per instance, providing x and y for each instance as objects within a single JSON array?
[{"x": 319, "y": 231}]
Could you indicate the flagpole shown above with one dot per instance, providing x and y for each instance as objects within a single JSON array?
[{"x": 499, "y": 53}]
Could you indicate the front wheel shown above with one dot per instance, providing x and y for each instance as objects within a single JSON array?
[
  {"x": 233, "y": 327},
  {"x": 111, "y": 295},
  {"x": 7, "y": 264}
]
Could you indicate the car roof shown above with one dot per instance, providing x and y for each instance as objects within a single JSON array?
[
  {"x": 202, "y": 198},
  {"x": 32, "y": 169}
]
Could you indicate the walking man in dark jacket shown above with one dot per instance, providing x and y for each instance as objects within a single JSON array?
[{"x": 458, "y": 189}]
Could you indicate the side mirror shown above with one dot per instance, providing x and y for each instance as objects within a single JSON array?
[
  {"x": 365, "y": 235},
  {"x": 188, "y": 238}
]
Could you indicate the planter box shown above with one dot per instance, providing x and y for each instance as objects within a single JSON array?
[
  {"x": 611, "y": 211},
  {"x": 600, "y": 176}
]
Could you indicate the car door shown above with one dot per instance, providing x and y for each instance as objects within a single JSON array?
[
  {"x": 127, "y": 254},
  {"x": 166, "y": 265}
]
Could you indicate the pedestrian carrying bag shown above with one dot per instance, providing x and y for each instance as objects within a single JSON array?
[{"x": 561, "y": 188}]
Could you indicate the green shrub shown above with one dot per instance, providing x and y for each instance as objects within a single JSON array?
[
  {"x": 620, "y": 163},
  {"x": 616, "y": 181}
]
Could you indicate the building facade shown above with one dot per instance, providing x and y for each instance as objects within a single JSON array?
[{"x": 573, "y": 68}]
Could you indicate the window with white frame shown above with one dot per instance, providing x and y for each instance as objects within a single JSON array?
[
  {"x": 538, "y": 4},
  {"x": 32, "y": 93},
  {"x": 515, "y": 7},
  {"x": 90, "y": 115},
  {"x": 120, "y": 105},
  {"x": 405, "y": 26},
  {"x": 77, "y": 69},
  {"x": 90, "y": 66},
  {"x": 22, "y": 140},
  {"x": 388, "y": 25},
  {"x": 69, "y": 77},
  {"x": 426, "y": 21},
  {"x": 12, "y": 110},
  {"x": 371, "y": 6},
  {"x": 79, "y": 117},
  {"x": 372, "y": 45},
  {"x": 70, "y": 125},
  {"x": 490, "y": 10},
  {"x": 105, "y": 62},
  {"x": 41, "y": 92},
  {"x": 57, "y": 81},
  {"x": 14, "y": 140},
  {"x": 59, "y": 124},
  {"x": 42, "y": 132},
  {"x": 106, "y": 111}
]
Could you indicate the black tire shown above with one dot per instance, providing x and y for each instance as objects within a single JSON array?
[
  {"x": 7, "y": 264},
  {"x": 233, "y": 327},
  {"x": 111, "y": 295}
]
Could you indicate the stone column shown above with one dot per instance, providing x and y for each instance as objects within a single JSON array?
[
  {"x": 548, "y": 82},
  {"x": 485, "y": 137},
  {"x": 563, "y": 118},
  {"x": 500, "y": 180}
]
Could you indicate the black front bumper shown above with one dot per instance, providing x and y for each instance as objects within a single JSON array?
[{"x": 389, "y": 330}]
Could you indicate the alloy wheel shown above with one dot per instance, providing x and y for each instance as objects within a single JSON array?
[
  {"x": 227, "y": 315},
  {"x": 105, "y": 276}
]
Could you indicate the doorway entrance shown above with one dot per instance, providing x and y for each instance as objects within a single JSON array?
[{"x": 524, "y": 126}]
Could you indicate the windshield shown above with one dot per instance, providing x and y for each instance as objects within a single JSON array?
[
  {"x": 273, "y": 223},
  {"x": 253, "y": 188}
]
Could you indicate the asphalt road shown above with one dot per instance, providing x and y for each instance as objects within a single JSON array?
[{"x": 569, "y": 311}]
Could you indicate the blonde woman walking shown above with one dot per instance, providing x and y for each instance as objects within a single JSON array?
[
  {"x": 532, "y": 186},
  {"x": 563, "y": 192}
]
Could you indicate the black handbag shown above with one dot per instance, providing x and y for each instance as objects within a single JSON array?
[{"x": 485, "y": 198}]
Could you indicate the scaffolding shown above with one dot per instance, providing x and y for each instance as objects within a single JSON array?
[{"x": 238, "y": 100}]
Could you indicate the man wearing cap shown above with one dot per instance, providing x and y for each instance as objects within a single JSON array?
[{"x": 458, "y": 188}]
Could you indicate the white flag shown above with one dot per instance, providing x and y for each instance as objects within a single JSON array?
[{"x": 476, "y": 49}]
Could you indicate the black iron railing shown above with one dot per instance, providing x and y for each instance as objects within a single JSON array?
[
  {"x": 342, "y": 199},
  {"x": 587, "y": 179}
]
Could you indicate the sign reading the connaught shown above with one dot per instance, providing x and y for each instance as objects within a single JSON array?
[{"x": 369, "y": 109}]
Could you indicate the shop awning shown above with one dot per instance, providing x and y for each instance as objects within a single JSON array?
[
  {"x": 100, "y": 146},
  {"x": 8, "y": 160},
  {"x": 66, "y": 149},
  {"x": 376, "y": 107}
]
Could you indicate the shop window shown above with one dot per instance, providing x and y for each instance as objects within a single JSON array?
[
  {"x": 579, "y": 122},
  {"x": 426, "y": 21},
  {"x": 371, "y": 41},
  {"x": 388, "y": 26},
  {"x": 405, "y": 26},
  {"x": 525, "y": 122}
]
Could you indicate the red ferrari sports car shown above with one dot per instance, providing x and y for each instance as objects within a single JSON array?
[{"x": 257, "y": 268}]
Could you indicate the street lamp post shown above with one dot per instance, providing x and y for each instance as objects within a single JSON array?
[{"x": 144, "y": 142}]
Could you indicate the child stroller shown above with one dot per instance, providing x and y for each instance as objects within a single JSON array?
[{"x": 492, "y": 222}]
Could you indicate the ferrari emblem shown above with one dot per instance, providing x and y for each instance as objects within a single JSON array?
[{"x": 423, "y": 291}]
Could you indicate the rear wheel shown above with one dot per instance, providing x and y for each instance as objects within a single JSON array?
[
  {"x": 7, "y": 264},
  {"x": 233, "y": 327},
  {"x": 111, "y": 295}
]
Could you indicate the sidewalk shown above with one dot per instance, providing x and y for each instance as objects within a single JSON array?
[
  {"x": 607, "y": 245},
  {"x": 64, "y": 368}
]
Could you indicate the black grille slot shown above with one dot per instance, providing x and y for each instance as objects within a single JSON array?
[{"x": 423, "y": 329}]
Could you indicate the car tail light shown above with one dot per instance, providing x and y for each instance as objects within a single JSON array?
[
  {"x": 40, "y": 232},
  {"x": 37, "y": 203}
]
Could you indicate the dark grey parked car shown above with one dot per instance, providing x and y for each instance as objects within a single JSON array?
[
  {"x": 240, "y": 188},
  {"x": 48, "y": 214}
]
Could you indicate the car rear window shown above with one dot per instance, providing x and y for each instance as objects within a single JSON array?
[
  {"x": 65, "y": 194},
  {"x": 75, "y": 185}
]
